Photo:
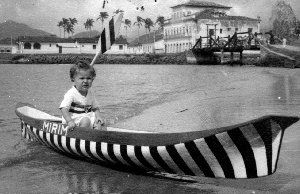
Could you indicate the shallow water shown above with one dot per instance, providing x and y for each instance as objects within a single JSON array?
[{"x": 229, "y": 95}]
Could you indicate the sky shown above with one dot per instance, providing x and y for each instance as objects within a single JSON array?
[{"x": 45, "y": 14}]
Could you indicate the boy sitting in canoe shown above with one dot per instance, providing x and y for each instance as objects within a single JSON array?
[{"x": 79, "y": 106}]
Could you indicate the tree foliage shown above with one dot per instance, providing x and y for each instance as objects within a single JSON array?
[
  {"x": 297, "y": 29},
  {"x": 283, "y": 19},
  {"x": 89, "y": 24},
  {"x": 160, "y": 21},
  {"x": 102, "y": 16},
  {"x": 127, "y": 25},
  {"x": 138, "y": 23},
  {"x": 148, "y": 24}
]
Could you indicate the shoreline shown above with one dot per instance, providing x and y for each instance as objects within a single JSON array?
[
  {"x": 268, "y": 56},
  {"x": 179, "y": 58},
  {"x": 128, "y": 59}
]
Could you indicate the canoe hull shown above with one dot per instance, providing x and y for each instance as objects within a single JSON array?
[{"x": 248, "y": 150}]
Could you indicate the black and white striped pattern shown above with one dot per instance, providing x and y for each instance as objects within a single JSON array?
[
  {"x": 109, "y": 33},
  {"x": 248, "y": 151},
  {"x": 108, "y": 36}
]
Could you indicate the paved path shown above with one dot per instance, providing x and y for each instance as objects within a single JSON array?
[{"x": 288, "y": 47}]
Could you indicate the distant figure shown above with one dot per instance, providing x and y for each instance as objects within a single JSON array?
[
  {"x": 79, "y": 106},
  {"x": 284, "y": 42},
  {"x": 272, "y": 37}
]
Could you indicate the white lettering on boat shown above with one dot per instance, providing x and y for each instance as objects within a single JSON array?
[{"x": 55, "y": 128}]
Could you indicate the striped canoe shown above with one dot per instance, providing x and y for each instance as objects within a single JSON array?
[{"x": 246, "y": 150}]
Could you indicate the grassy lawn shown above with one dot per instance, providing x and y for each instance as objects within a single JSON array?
[{"x": 296, "y": 42}]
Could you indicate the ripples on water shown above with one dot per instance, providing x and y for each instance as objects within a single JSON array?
[{"x": 123, "y": 92}]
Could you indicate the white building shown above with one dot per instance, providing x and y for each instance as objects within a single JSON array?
[
  {"x": 148, "y": 43},
  {"x": 8, "y": 45},
  {"x": 120, "y": 46},
  {"x": 53, "y": 45},
  {"x": 193, "y": 19}
]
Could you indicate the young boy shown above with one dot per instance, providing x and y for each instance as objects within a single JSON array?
[{"x": 79, "y": 107}]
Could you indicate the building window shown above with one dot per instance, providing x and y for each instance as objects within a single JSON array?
[
  {"x": 94, "y": 46},
  {"x": 250, "y": 29},
  {"x": 82, "y": 45},
  {"x": 50, "y": 45},
  {"x": 36, "y": 45},
  {"x": 221, "y": 31},
  {"x": 120, "y": 47},
  {"x": 27, "y": 45},
  {"x": 236, "y": 29},
  {"x": 228, "y": 29}
]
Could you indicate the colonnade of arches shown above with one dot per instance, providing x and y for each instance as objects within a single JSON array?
[{"x": 28, "y": 45}]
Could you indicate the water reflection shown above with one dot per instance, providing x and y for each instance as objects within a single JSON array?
[
  {"x": 110, "y": 181},
  {"x": 280, "y": 95}
]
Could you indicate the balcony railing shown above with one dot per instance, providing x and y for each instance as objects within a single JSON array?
[{"x": 178, "y": 36}]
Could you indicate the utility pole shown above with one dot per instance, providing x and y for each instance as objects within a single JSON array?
[{"x": 154, "y": 41}]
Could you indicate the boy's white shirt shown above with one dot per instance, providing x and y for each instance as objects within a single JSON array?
[{"x": 73, "y": 95}]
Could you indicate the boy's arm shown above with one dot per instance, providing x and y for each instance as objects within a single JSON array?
[
  {"x": 67, "y": 117},
  {"x": 98, "y": 115}
]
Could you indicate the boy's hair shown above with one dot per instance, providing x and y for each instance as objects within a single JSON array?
[{"x": 81, "y": 65}]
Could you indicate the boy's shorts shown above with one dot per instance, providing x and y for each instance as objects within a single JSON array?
[{"x": 77, "y": 118}]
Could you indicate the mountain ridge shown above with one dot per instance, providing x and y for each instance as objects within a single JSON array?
[{"x": 12, "y": 29}]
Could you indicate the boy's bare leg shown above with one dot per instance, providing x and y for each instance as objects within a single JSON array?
[{"x": 85, "y": 122}]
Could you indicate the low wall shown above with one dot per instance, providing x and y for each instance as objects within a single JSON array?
[{"x": 179, "y": 58}]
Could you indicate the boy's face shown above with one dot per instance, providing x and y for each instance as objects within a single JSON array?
[{"x": 83, "y": 81}]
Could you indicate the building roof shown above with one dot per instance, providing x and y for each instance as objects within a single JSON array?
[
  {"x": 203, "y": 4},
  {"x": 121, "y": 40},
  {"x": 212, "y": 14},
  {"x": 8, "y": 41},
  {"x": 86, "y": 40},
  {"x": 54, "y": 39},
  {"x": 45, "y": 39},
  {"x": 147, "y": 38}
]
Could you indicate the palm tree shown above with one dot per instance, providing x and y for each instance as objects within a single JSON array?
[
  {"x": 160, "y": 21},
  {"x": 60, "y": 25},
  {"x": 70, "y": 29},
  {"x": 88, "y": 25},
  {"x": 148, "y": 24},
  {"x": 138, "y": 23},
  {"x": 65, "y": 25},
  {"x": 118, "y": 11},
  {"x": 127, "y": 23},
  {"x": 72, "y": 22},
  {"x": 102, "y": 16}
]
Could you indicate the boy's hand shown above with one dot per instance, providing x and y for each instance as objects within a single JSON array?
[
  {"x": 100, "y": 123},
  {"x": 100, "y": 120},
  {"x": 71, "y": 125}
]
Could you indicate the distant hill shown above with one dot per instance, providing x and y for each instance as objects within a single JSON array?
[
  {"x": 13, "y": 29},
  {"x": 86, "y": 34}
]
